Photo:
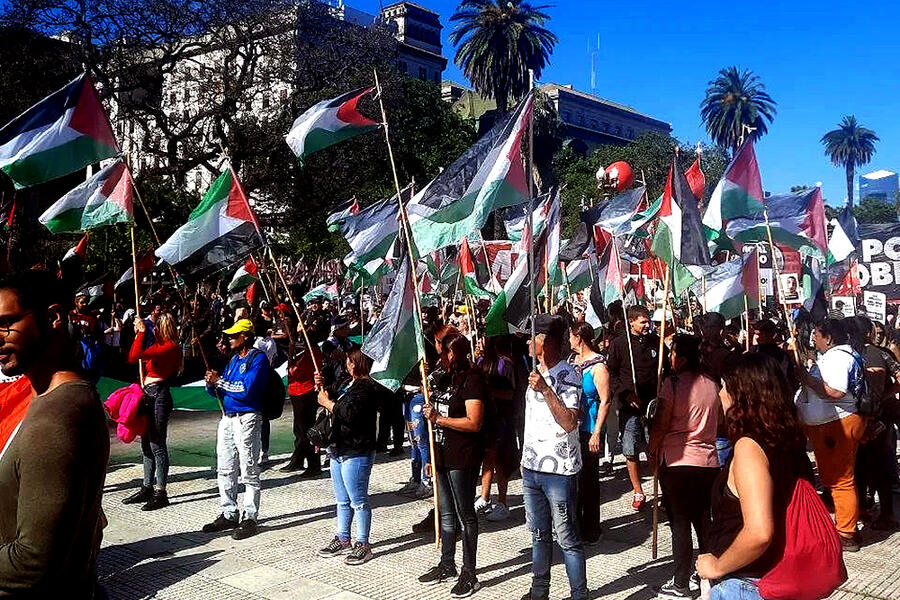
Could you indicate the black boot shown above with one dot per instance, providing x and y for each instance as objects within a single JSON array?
[
  {"x": 142, "y": 495},
  {"x": 159, "y": 500}
]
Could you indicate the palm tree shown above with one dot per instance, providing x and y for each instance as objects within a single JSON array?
[
  {"x": 736, "y": 104},
  {"x": 498, "y": 42},
  {"x": 850, "y": 145}
]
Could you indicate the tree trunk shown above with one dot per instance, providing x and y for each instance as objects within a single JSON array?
[{"x": 850, "y": 169}]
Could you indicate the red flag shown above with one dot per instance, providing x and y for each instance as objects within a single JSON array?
[
  {"x": 696, "y": 179},
  {"x": 466, "y": 264},
  {"x": 849, "y": 284},
  {"x": 251, "y": 267},
  {"x": 252, "y": 293}
]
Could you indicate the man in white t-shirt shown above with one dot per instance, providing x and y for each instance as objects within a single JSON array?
[
  {"x": 551, "y": 461},
  {"x": 827, "y": 407}
]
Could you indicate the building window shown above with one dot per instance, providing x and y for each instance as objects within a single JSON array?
[
  {"x": 581, "y": 118},
  {"x": 173, "y": 97},
  {"x": 630, "y": 133},
  {"x": 605, "y": 127},
  {"x": 283, "y": 95},
  {"x": 402, "y": 66},
  {"x": 593, "y": 123},
  {"x": 437, "y": 77},
  {"x": 619, "y": 130},
  {"x": 423, "y": 73},
  {"x": 567, "y": 116}
]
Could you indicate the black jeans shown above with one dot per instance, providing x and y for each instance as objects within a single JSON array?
[
  {"x": 456, "y": 489},
  {"x": 686, "y": 492},
  {"x": 589, "y": 492},
  {"x": 391, "y": 423},
  {"x": 304, "y": 407},
  {"x": 875, "y": 467},
  {"x": 153, "y": 442}
]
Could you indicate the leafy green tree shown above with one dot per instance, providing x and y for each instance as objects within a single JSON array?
[
  {"x": 849, "y": 146},
  {"x": 873, "y": 209},
  {"x": 736, "y": 106},
  {"x": 498, "y": 42}
]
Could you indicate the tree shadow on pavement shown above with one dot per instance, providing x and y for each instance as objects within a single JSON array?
[
  {"x": 643, "y": 577},
  {"x": 146, "y": 579}
]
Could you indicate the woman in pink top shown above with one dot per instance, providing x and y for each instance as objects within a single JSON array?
[{"x": 683, "y": 447}]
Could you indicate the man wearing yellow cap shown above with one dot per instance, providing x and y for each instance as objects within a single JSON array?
[{"x": 241, "y": 387}]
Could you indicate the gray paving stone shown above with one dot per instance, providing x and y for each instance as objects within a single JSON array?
[{"x": 163, "y": 554}]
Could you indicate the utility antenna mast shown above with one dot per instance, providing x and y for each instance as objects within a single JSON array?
[{"x": 594, "y": 51}]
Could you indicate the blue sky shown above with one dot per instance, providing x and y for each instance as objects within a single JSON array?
[{"x": 819, "y": 60}]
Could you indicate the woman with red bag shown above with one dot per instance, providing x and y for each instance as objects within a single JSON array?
[{"x": 751, "y": 496}]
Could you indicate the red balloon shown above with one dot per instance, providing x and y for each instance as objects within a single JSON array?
[{"x": 623, "y": 172}]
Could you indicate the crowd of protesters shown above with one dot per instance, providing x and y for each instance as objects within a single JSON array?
[{"x": 726, "y": 417}]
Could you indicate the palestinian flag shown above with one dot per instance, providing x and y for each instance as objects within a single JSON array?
[
  {"x": 614, "y": 282},
  {"x": 578, "y": 275},
  {"x": 78, "y": 251},
  {"x": 616, "y": 215},
  {"x": 328, "y": 292},
  {"x": 487, "y": 177},
  {"x": 844, "y": 236},
  {"x": 15, "y": 398},
  {"x": 679, "y": 239},
  {"x": 728, "y": 284},
  {"x": 510, "y": 311},
  {"x": 467, "y": 272},
  {"x": 104, "y": 199},
  {"x": 145, "y": 264},
  {"x": 246, "y": 274},
  {"x": 516, "y": 217},
  {"x": 595, "y": 310},
  {"x": 335, "y": 219},
  {"x": 222, "y": 229},
  {"x": 66, "y": 131},
  {"x": 372, "y": 231},
  {"x": 395, "y": 343},
  {"x": 739, "y": 193},
  {"x": 797, "y": 221},
  {"x": 100, "y": 288},
  {"x": 554, "y": 234},
  {"x": 327, "y": 123}
]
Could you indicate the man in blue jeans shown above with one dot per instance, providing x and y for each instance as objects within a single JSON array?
[{"x": 551, "y": 461}]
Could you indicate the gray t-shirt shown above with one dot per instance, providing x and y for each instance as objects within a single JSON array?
[{"x": 547, "y": 447}]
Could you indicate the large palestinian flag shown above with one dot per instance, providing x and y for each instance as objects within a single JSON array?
[
  {"x": 739, "y": 193},
  {"x": 796, "y": 220},
  {"x": 221, "y": 230},
  {"x": 64, "y": 132},
  {"x": 395, "y": 343},
  {"x": 104, "y": 199},
  {"x": 327, "y": 123},
  {"x": 488, "y": 176}
]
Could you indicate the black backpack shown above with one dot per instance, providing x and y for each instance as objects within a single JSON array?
[{"x": 274, "y": 394}]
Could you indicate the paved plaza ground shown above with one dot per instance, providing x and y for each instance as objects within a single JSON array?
[{"x": 162, "y": 554}]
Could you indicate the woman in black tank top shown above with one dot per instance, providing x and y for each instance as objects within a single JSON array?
[{"x": 751, "y": 495}]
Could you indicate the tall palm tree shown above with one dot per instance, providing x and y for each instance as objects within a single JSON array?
[
  {"x": 498, "y": 42},
  {"x": 736, "y": 106},
  {"x": 850, "y": 145}
]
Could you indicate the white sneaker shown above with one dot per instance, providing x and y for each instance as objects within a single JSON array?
[
  {"x": 481, "y": 504},
  {"x": 498, "y": 513}
]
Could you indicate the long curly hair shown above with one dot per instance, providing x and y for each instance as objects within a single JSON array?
[{"x": 762, "y": 406}]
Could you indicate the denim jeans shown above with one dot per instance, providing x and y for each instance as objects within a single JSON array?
[
  {"x": 153, "y": 442},
  {"x": 550, "y": 512},
  {"x": 237, "y": 451},
  {"x": 634, "y": 435},
  {"x": 735, "y": 589},
  {"x": 417, "y": 432},
  {"x": 724, "y": 449},
  {"x": 456, "y": 488},
  {"x": 350, "y": 478}
]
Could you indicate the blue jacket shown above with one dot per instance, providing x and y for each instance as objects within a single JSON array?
[{"x": 243, "y": 383}]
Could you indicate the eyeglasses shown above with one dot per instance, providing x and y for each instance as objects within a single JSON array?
[{"x": 7, "y": 322}]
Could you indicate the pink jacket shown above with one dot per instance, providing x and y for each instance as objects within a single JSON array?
[{"x": 122, "y": 406}]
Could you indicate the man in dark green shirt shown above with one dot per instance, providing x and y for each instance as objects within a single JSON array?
[{"x": 53, "y": 467}]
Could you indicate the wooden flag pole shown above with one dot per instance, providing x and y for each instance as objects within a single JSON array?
[
  {"x": 531, "y": 270},
  {"x": 303, "y": 332},
  {"x": 137, "y": 294},
  {"x": 759, "y": 290},
  {"x": 654, "y": 545},
  {"x": 407, "y": 234},
  {"x": 777, "y": 289}
]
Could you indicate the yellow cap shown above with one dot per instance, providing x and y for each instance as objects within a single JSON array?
[{"x": 240, "y": 326}]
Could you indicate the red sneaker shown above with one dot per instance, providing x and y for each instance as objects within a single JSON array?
[{"x": 637, "y": 503}]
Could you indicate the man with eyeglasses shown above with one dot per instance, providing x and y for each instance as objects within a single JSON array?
[
  {"x": 53, "y": 465},
  {"x": 241, "y": 387}
]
